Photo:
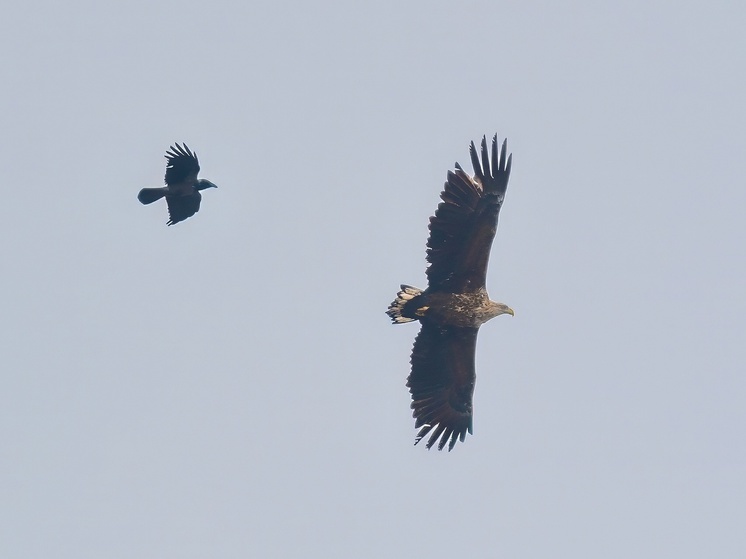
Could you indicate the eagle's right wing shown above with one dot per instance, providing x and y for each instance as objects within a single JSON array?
[{"x": 442, "y": 382}]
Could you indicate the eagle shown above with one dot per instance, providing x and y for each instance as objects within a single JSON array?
[
  {"x": 455, "y": 303},
  {"x": 182, "y": 185}
]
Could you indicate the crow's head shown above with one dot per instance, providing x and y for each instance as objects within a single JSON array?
[{"x": 204, "y": 183}]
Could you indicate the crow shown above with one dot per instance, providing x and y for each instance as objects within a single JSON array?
[{"x": 182, "y": 185}]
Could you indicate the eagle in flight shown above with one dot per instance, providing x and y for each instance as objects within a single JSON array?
[
  {"x": 455, "y": 303},
  {"x": 182, "y": 185}
]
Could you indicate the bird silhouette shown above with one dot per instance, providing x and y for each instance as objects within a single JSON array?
[{"x": 182, "y": 190}]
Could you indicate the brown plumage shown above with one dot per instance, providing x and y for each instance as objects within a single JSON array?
[{"x": 455, "y": 303}]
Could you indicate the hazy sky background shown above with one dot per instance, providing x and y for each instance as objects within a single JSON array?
[{"x": 231, "y": 387}]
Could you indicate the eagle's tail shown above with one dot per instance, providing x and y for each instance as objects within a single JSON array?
[
  {"x": 398, "y": 310},
  {"x": 150, "y": 195}
]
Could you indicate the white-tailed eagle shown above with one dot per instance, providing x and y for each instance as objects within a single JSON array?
[{"x": 455, "y": 303}]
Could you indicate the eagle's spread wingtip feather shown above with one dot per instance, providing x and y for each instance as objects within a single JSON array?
[
  {"x": 476, "y": 165},
  {"x": 486, "y": 159}
]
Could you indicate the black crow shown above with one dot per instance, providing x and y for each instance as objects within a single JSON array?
[{"x": 182, "y": 185}]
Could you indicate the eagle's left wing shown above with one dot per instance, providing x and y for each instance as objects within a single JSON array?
[{"x": 465, "y": 223}]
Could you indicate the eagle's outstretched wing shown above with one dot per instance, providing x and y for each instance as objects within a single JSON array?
[
  {"x": 464, "y": 225},
  {"x": 182, "y": 167},
  {"x": 442, "y": 383}
]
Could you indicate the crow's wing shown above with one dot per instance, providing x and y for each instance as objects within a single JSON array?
[
  {"x": 181, "y": 207},
  {"x": 182, "y": 166}
]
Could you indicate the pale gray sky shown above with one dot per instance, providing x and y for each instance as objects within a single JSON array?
[{"x": 231, "y": 387}]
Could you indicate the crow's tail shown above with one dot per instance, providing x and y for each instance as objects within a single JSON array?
[{"x": 150, "y": 195}]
